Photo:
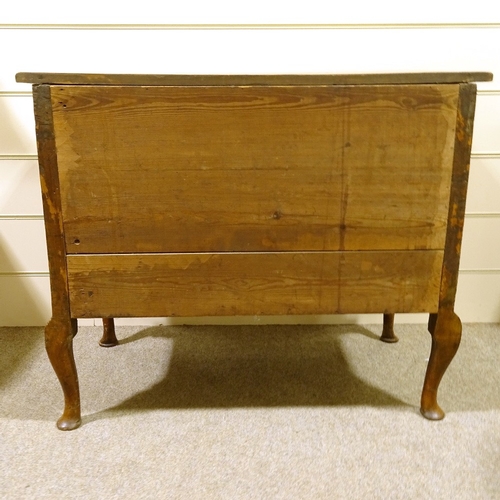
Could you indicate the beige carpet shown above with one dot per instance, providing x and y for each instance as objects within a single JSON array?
[{"x": 246, "y": 412}]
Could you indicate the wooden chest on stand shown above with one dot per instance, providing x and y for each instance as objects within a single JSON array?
[{"x": 170, "y": 195}]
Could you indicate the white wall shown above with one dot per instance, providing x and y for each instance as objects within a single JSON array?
[{"x": 231, "y": 37}]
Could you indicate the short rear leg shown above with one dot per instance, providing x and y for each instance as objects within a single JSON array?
[
  {"x": 388, "y": 330},
  {"x": 108, "y": 333}
]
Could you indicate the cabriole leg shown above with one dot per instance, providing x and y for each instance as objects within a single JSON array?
[
  {"x": 446, "y": 331},
  {"x": 108, "y": 333},
  {"x": 59, "y": 345},
  {"x": 388, "y": 329}
]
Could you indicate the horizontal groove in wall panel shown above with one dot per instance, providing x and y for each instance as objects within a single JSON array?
[
  {"x": 25, "y": 274},
  {"x": 252, "y": 26},
  {"x": 20, "y": 217},
  {"x": 14, "y": 93},
  {"x": 484, "y": 186},
  {"x": 492, "y": 155},
  {"x": 25, "y": 300},
  {"x": 249, "y": 51},
  {"x": 23, "y": 246},
  {"x": 478, "y": 297},
  {"x": 480, "y": 271},
  {"x": 20, "y": 192},
  {"x": 18, "y": 157},
  {"x": 479, "y": 215}
]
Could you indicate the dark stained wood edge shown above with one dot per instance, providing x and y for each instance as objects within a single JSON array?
[
  {"x": 388, "y": 334},
  {"x": 458, "y": 193},
  {"x": 61, "y": 328},
  {"x": 49, "y": 179},
  {"x": 445, "y": 326},
  {"x": 222, "y": 80},
  {"x": 108, "y": 338}
]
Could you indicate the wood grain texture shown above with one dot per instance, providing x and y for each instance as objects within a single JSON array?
[
  {"x": 51, "y": 198},
  {"x": 263, "y": 199},
  {"x": 186, "y": 80},
  {"x": 253, "y": 283},
  {"x": 176, "y": 169},
  {"x": 61, "y": 328},
  {"x": 458, "y": 194}
]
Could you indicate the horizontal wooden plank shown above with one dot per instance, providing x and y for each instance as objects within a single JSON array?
[
  {"x": 175, "y": 169},
  {"x": 24, "y": 241},
  {"x": 253, "y": 283},
  {"x": 26, "y": 302},
  {"x": 236, "y": 51},
  {"x": 231, "y": 80},
  {"x": 22, "y": 246},
  {"x": 20, "y": 188}
]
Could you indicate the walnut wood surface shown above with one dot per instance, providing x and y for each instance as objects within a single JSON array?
[
  {"x": 388, "y": 334},
  {"x": 292, "y": 195},
  {"x": 51, "y": 197},
  {"x": 258, "y": 283},
  {"x": 174, "y": 169},
  {"x": 445, "y": 326},
  {"x": 61, "y": 328},
  {"x": 458, "y": 193},
  {"x": 185, "y": 80}
]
